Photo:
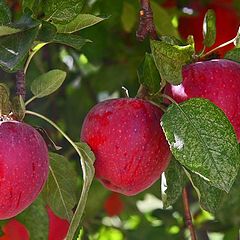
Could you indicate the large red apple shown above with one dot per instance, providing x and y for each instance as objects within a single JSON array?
[
  {"x": 216, "y": 80},
  {"x": 227, "y": 23},
  {"x": 129, "y": 144},
  {"x": 23, "y": 167}
]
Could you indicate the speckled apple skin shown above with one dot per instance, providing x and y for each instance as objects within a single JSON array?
[
  {"x": 129, "y": 144},
  {"x": 217, "y": 80},
  {"x": 23, "y": 167}
]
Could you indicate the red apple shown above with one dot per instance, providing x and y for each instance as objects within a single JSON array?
[
  {"x": 227, "y": 23},
  {"x": 14, "y": 230},
  {"x": 57, "y": 227},
  {"x": 216, "y": 80},
  {"x": 127, "y": 139},
  {"x": 23, "y": 167},
  {"x": 113, "y": 205}
]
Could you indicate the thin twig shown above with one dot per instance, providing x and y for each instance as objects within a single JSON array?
[
  {"x": 20, "y": 84},
  {"x": 188, "y": 216},
  {"x": 146, "y": 25}
]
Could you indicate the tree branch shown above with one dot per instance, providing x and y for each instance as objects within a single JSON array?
[
  {"x": 146, "y": 25},
  {"x": 20, "y": 84},
  {"x": 188, "y": 216}
]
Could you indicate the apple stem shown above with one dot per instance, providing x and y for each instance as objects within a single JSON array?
[
  {"x": 146, "y": 25},
  {"x": 88, "y": 174},
  {"x": 20, "y": 84},
  {"x": 188, "y": 216}
]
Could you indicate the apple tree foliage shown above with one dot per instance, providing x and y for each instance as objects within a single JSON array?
[{"x": 70, "y": 65}]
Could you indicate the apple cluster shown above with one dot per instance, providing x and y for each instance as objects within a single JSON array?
[{"x": 126, "y": 136}]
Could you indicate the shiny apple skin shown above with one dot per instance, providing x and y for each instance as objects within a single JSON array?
[{"x": 128, "y": 142}]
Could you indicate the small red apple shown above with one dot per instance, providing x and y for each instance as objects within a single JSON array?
[
  {"x": 227, "y": 23},
  {"x": 57, "y": 227},
  {"x": 113, "y": 205},
  {"x": 14, "y": 230},
  {"x": 216, "y": 80},
  {"x": 128, "y": 142},
  {"x": 23, "y": 166}
]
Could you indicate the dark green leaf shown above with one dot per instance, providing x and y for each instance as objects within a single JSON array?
[
  {"x": 129, "y": 16},
  {"x": 62, "y": 11},
  {"x": 50, "y": 143},
  {"x": 47, "y": 83},
  {"x": 71, "y": 40},
  {"x": 203, "y": 140},
  {"x": 80, "y": 22},
  {"x": 18, "y": 108},
  {"x": 233, "y": 55},
  {"x": 5, "y": 107},
  {"x": 148, "y": 74},
  {"x": 13, "y": 52},
  {"x": 209, "y": 28},
  {"x": 229, "y": 211},
  {"x": 209, "y": 196},
  {"x": 5, "y": 13},
  {"x": 232, "y": 234},
  {"x": 60, "y": 191},
  {"x": 34, "y": 5},
  {"x": 163, "y": 20},
  {"x": 176, "y": 180},
  {"x": 35, "y": 218},
  {"x": 47, "y": 32},
  {"x": 170, "y": 59}
]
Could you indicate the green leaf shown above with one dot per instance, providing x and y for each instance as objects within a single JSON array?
[
  {"x": 18, "y": 108},
  {"x": 7, "y": 30},
  {"x": 210, "y": 197},
  {"x": 5, "y": 13},
  {"x": 233, "y": 233},
  {"x": 34, "y": 5},
  {"x": 148, "y": 74},
  {"x": 80, "y": 22},
  {"x": 62, "y": 11},
  {"x": 71, "y": 40},
  {"x": 5, "y": 106},
  {"x": 87, "y": 161},
  {"x": 86, "y": 152},
  {"x": 233, "y": 55},
  {"x": 163, "y": 21},
  {"x": 176, "y": 180},
  {"x": 128, "y": 17},
  {"x": 170, "y": 59},
  {"x": 12, "y": 52},
  {"x": 60, "y": 191},
  {"x": 229, "y": 211},
  {"x": 203, "y": 140},
  {"x": 35, "y": 218},
  {"x": 209, "y": 28},
  {"x": 47, "y": 83},
  {"x": 50, "y": 143},
  {"x": 47, "y": 32}
]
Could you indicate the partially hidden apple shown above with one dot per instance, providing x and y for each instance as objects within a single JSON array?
[
  {"x": 14, "y": 230},
  {"x": 217, "y": 80},
  {"x": 23, "y": 166},
  {"x": 58, "y": 227},
  {"x": 128, "y": 142},
  {"x": 227, "y": 24},
  {"x": 113, "y": 204}
]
